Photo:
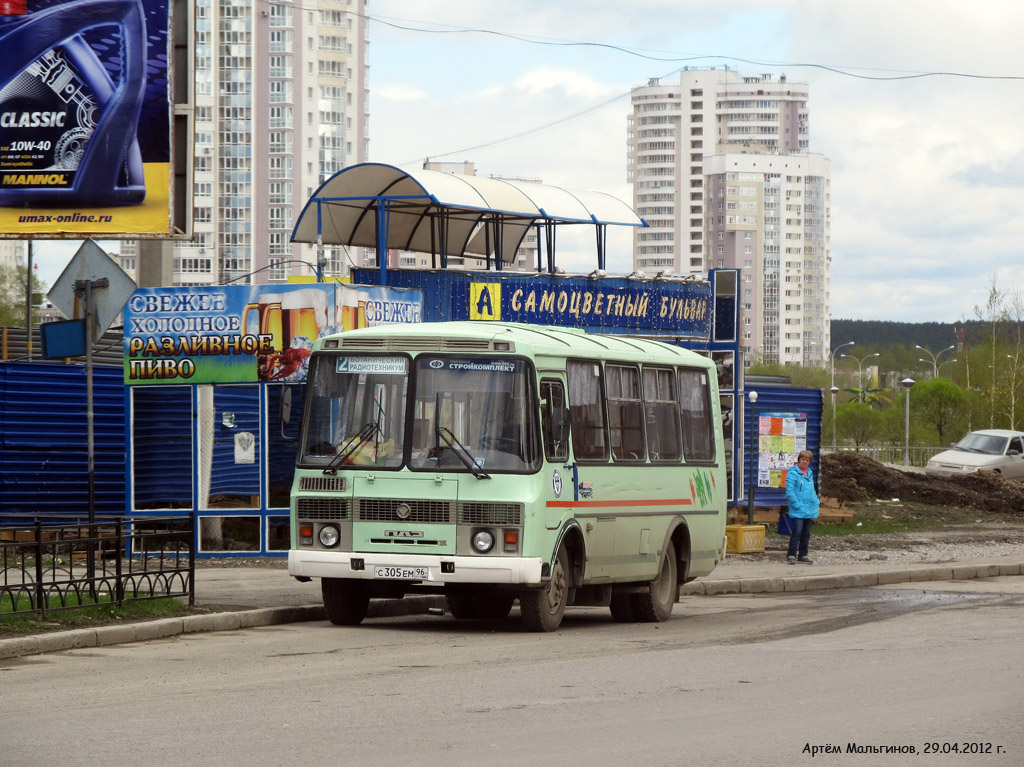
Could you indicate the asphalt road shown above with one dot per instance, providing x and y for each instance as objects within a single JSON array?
[{"x": 731, "y": 680}]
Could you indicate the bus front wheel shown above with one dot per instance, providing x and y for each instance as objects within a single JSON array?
[
  {"x": 656, "y": 606},
  {"x": 346, "y": 601},
  {"x": 542, "y": 609}
]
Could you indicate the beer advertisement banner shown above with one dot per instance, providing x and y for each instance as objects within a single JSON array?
[
  {"x": 85, "y": 118},
  {"x": 242, "y": 333}
]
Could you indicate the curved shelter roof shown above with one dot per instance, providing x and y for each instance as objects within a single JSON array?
[{"x": 434, "y": 212}]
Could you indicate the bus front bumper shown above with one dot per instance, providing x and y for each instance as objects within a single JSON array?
[{"x": 427, "y": 568}]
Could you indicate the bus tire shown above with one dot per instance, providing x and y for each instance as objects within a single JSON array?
[
  {"x": 542, "y": 609},
  {"x": 656, "y": 605},
  {"x": 345, "y": 600},
  {"x": 622, "y": 608}
]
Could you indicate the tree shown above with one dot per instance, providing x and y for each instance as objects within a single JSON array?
[
  {"x": 12, "y": 296},
  {"x": 858, "y": 422},
  {"x": 942, "y": 405}
]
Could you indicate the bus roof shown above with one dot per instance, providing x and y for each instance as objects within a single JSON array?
[{"x": 536, "y": 340}]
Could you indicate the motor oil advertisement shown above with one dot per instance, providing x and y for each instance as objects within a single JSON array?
[
  {"x": 85, "y": 117},
  {"x": 242, "y": 333}
]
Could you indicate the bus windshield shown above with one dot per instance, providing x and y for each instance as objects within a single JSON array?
[
  {"x": 356, "y": 411},
  {"x": 474, "y": 413},
  {"x": 477, "y": 416}
]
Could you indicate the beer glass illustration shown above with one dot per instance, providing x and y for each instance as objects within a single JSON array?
[
  {"x": 267, "y": 323},
  {"x": 349, "y": 309},
  {"x": 303, "y": 314},
  {"x": 364, "y": 297}
]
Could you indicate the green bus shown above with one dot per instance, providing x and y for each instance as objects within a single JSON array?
[{"x": 493, "y": 462}]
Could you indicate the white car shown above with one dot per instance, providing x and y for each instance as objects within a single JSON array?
[{"x": 992, "y": 449}]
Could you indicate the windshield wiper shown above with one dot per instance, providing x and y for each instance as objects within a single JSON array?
[
  {"x": 368, "y": 430},
  {"x": 462, "y": 453}
]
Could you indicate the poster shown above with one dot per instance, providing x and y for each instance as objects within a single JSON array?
[
  {"x": 780, "y": 438},
  {"x": 247, "y": 333},
  {"x": 85, "y": 118}
]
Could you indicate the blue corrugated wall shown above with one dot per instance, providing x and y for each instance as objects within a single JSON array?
[
  {"x": 43, "y": 443},
  {"x": 771, "y": 399}
]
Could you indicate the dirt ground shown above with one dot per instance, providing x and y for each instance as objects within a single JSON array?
[{"x": 853, "y": 477}]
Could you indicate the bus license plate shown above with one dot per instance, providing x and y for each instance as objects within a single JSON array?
[{"x": 394, "y": 572}]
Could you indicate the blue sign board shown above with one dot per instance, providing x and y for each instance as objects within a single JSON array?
[{"x": 617, "y": 305}]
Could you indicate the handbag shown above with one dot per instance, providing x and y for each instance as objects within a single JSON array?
[{"x": 785, "y": 527}]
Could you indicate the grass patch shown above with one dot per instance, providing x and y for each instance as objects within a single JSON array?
[{"x": 103, "y": 613}]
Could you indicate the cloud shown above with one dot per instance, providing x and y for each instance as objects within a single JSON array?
[
  {"x": 927, "y": 173},
  {"x": 400, "y": 93}
]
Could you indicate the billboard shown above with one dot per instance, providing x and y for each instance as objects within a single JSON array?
[
  {"x": 618, "y": 305},
  {"x": 247, "y": 333},
  {"x": 85, "y": 118}
]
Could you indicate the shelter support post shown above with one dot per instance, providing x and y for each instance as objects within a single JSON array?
[
  {"x": 383, "y": 221},
  {"x": 549, "y": 236}
]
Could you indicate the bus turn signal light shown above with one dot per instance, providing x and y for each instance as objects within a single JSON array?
[{"x": 511, "y": 540}]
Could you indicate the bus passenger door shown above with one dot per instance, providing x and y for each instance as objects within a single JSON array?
[{"x": 554, "y": 428}]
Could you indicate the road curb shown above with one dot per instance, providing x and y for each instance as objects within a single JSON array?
[
  {"x": 909, "y": 574},
  {"x": 105, "y": 636}
]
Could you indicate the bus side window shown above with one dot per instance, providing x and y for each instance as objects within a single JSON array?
[
  {"x": 662, "y": 414},
  {"x": 625, "y": 413},
  {"x": 586, "y": 406},
  {"x": 695, "y": 414},
  {"x": 554, "y": 420}
]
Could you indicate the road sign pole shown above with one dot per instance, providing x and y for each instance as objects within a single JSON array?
[{"x": 85, "y": 288}]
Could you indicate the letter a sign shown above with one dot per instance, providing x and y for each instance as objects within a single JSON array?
[{"x": 485, "y": 300}]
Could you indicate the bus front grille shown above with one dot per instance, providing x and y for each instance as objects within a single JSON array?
[
  {"x": 476, "y": 513},
  {"x": 324, "y": 509},
  {"x": 322, "y": 484},
  {"x": 403, "y": 510}
]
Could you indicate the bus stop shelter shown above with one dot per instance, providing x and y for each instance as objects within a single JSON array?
[{"x": 381, "y": 206}]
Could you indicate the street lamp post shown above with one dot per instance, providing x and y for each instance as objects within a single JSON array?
[
  {"x": 834, "y": 390},
  {"x": 906, "y": 383},
  {"x": 934, "y": 358},
  {"x": 752, "y": 474},
  {"x": 832, "y": 357},
  {"x": 860, "y": 368}
]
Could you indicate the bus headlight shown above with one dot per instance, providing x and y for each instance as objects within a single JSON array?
[
  {"x": 483, "y": 541},
  {"x": 330, "y": 536}
]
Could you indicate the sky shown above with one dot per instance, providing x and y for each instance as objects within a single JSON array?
[{"x": 927, "y": 170}]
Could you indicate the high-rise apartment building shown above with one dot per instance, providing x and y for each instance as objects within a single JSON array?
[
  {"x": 281, "y": 104},
  {"x": 722, "y": 174}
]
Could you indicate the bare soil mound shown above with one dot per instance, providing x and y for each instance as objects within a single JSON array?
[{"x": 854, "y": 477}]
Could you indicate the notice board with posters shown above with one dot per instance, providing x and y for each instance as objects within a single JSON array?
[
  {"x": 780, "y": 438},
  {"x": 85, "y": 118}
]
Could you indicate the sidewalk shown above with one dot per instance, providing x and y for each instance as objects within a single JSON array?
[{"x": 263, "y": 596}]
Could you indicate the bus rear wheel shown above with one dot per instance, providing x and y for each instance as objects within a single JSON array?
[
  {"x": 656, "y": 605},
  {"x": 345, "y": 600},
  {"x": 542, "y": 609}
]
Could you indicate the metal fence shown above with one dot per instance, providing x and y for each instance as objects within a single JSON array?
[
  {"x": 61, "y": 562},
  {"x": 891, "y": 454}
]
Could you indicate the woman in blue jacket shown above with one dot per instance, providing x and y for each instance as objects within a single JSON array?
[{"x": 803, "y": 508}]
